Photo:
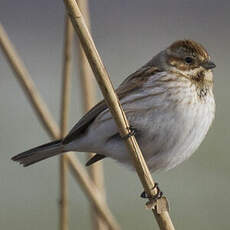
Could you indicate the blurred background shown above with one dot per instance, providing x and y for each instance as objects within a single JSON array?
[{"x": 127, "y": 34}]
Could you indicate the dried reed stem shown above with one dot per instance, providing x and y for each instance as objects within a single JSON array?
[
  {"x": 114, "y": 105},
  {"x": 63, "y": 193},
  {"x": 27, "y": 84},
  {"x": 49, "y": 123},
  {"x": 66, "y": 83},
  {"x": 66, "y": 89},
  {"x": 93, "y": 194},
  {"x": 95, "y": 170}
]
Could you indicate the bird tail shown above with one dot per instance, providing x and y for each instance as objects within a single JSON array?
[{"x": 39, "y": 153}]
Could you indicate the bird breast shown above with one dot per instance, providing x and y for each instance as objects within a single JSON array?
[{"x": 184, "y": 120}]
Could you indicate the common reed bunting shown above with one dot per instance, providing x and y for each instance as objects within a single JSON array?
[{"x": 169, "y": 103}]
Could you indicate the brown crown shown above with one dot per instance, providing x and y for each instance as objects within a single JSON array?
[{"x": 191, "y": 47}]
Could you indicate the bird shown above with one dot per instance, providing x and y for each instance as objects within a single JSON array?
[{"x": 169, "y": 103}]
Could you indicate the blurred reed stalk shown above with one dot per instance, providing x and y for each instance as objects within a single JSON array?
[
  {"x": 52, "y": 128},
  {"x": 88, "y": 90},
  {"x": 65, "y": 102},
  {"x": 93, "y": 194},
  {"x": 28, "y": 86},
  {"x": 101, "y": 75}
]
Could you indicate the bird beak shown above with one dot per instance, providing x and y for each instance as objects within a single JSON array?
[{"x": 208, "y": 65}]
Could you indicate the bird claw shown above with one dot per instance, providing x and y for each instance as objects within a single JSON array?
[
  {"x": 155, "y": 197},
  {"x": 132, "y": 132}
]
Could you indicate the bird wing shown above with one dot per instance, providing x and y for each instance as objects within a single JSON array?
[
  {"x": 131, "y": 83},
  {"x": 84, "y": 122}
]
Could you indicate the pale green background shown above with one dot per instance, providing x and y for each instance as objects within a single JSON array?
[{"x": 127, "y": 34}]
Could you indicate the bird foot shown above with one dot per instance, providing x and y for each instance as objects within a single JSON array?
[
  {"x": 156, "y": 197},
  {"x": 132, "y": 132}
]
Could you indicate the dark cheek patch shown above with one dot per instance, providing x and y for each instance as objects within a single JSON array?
[
  {"x": 201, "y": 74},
  {"x": 178, "y": 63},
  {"x": 199, "y": 77}
]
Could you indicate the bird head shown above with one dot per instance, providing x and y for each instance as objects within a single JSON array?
[{"x": 189, "y": 58}]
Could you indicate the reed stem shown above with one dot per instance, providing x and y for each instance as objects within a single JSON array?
[
  {"x": 102, "y": 77},
  {"x": 49, "y": 123},
  {"x": 88, "y": 90},
  {"x": 66, "y": 89}
]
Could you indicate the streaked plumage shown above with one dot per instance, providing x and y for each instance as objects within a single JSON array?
[{"x": 169, "y": 102}]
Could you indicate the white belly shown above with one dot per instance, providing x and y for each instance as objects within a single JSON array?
[
  {"x": 170, "y": 127},
  {"x": 181, "y": 136},
  {"x": 169, "y": 134}
]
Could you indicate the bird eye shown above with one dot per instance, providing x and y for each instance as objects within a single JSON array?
[{"x": 188, "y": 60}]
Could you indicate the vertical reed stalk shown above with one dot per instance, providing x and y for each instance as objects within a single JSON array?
[
  {"x": 163, "y": 218},
  {"x": 93, "y": 194},
  {"x": 66, "y": 89},
  {"x": 51, "y": 126},
  {"x": 95, "y": 170},
  {"x": 28, "y": 85}
]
